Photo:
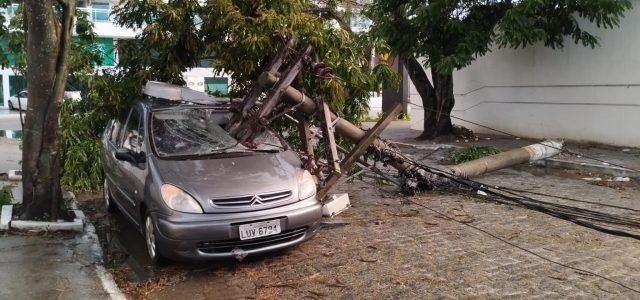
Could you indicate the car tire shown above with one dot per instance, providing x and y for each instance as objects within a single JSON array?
[
  {"x": 152, "y": 244},
  {"x": 11, "y": 105}
]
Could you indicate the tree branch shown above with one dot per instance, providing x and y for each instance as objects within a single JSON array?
[{"x": 330, "y": 14}]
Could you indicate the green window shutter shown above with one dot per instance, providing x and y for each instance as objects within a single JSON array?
[
  {"x": 216, "y": 84},
  {"x": 106, "y": 48}
]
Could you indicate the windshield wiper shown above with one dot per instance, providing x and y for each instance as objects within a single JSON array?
[
  {"x": 209, "y": 155},
  {"x": 265, "y": 150}
]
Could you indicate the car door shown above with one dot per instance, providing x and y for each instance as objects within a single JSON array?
[
  {"x": 112, "y": 170},
  {"x": 133, "y": 173}
]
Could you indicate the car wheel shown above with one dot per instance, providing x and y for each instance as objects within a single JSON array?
[
  {"x": 152, "y": 243},
  {"x": 11, "y": 105},
  {"x": 108, "y": 199}
]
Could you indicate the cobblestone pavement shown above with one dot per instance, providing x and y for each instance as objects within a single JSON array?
[{"x": 387, "y": 248}]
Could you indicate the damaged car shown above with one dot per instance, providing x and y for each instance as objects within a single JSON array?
[{"x": 194, "y": 191}]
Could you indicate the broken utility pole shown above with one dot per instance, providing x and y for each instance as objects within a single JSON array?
[{"x": 282, "y": 99}]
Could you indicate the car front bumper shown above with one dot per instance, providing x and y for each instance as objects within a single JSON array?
[{"x": 190, "y": 237}]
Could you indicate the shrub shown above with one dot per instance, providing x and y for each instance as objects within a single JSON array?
[
  {"x": 6, "y": 196},
  {"x": 471, "y": 153}
]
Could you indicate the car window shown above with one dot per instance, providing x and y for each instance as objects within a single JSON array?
[
  {"x": 132, "y": 136},
  {"x": 114, "y": 132},
  {"x": 200, "y": 131},
  {"x": 191, "y": 131},
  {"x": 23, "y": 94}
]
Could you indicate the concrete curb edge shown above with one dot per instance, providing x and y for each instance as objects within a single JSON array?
[{"x": 106, "y": 279}]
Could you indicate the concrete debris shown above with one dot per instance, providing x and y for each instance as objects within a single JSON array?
[
  {"x": 592, "y": 179},
  {"x": 622, "y": 179}
]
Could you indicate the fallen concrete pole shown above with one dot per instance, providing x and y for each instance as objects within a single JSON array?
[
  {"x": 350, "y": 131},
  {"x": 412, "y": 172},
  {"x": 506, "y": 159}
]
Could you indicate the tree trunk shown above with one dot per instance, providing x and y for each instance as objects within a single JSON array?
[
  {"x": 48, "y": 43},
  {"x": 437, "y": 99},
  {"x": 443, "y": 84}
]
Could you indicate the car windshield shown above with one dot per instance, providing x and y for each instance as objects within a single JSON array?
[{"x": 200, "y": 131}]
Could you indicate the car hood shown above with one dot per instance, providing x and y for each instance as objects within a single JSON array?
[{"x": 239, "y": 175}]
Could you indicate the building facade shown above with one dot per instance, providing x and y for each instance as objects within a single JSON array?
[
  {"x": 576, "y": 93},
  {"x": 109, "y": 33}
]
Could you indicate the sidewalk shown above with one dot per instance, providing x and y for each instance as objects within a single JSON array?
[
  {"x": 48, "y": 265},
  {"x": 613, "y": 156}
]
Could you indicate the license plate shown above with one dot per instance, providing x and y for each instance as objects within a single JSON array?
[{"x": 259, "y": 229}]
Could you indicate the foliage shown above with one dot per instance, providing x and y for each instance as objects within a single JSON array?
[
  {"x": 6, "y": 196},
  {"x": 178, "y": 35},
  {"x": 399, "y": 117},
  {"x": 239, "y": 38},
  {"x": 450, "y": 34},
  {"x": 82, "y": 123},
  {"x": 471, "y": 153}
]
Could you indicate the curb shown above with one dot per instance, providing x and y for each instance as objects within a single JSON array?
[
  {"x": 5, "y": 217},
  {"x": 106, "y": 279},
  {"x": 6, "y": 220},
  {"x": 10, "y": 116},
  {"x": 14, "y": 175}
]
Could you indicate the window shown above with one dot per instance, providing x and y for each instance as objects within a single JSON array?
[
  {"x": 114, "y": 131},
  {"x": 192, "y": 131},
  {"x": 133, "y": 135},
  {"x": 100, "y": 12},
  {"x": 216, "y": 85}
]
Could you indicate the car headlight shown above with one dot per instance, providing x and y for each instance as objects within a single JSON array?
[
  {"x": 307, "y": 186},
  {"x": 179, "y": 200}
]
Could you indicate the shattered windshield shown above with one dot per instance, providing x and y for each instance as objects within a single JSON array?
[{"x": 199, "y": 131}]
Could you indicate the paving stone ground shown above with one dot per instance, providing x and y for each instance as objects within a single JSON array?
[{"x": 387, "y": 248}]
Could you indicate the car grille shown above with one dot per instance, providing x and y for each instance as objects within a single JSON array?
[
  {"x": 251, "y": 200},
  {"x": 228, "y": 246}
]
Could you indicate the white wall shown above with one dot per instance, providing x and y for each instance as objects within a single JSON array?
[{"x": 577, "y": 93}]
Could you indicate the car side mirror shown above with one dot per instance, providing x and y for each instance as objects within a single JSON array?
[
  {"x": 125, "y": 155},
  {"x": 128, "y": 155}
]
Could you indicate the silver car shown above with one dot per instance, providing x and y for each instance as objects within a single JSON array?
[{"x": 196, "y": 193}]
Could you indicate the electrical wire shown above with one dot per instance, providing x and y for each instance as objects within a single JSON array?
[
  {"x": 568, "y": 213},
  {"x": 570, "y": 199},
  {"x": 576, "y": 215},
  {"x": 574, "y": 153},
  {"x": 580, "y": 216},
  {"x": 494, "y": 236},
  {"x": 526, "y": 139}
]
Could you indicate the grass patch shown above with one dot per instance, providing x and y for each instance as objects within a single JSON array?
[
  {"x": 471, "y": 153},
  {"x": 6, "y": 196},
  {"x": 399, "y": 117}
]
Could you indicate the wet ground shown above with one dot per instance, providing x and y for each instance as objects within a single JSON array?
[{"x": 388, "y": 247}]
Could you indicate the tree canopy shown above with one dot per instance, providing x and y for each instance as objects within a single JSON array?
[
  {"x": 239, "y": 38},
  {"x": 451, "y": 34}
]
